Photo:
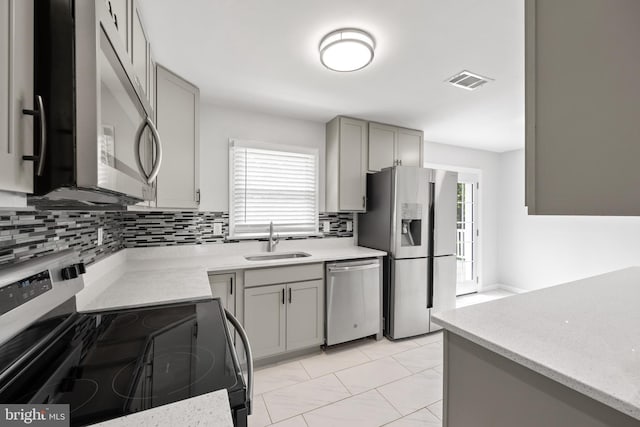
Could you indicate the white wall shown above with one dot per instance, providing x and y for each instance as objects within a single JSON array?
[
  {"x": 218, "y": 124},
  {"x": 486, "y": 164},
  {"x": 539, "y": 251}
]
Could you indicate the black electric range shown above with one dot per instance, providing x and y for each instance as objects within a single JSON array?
[{"x": 110, "y": 364}]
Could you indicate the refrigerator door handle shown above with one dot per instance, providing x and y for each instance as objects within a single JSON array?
[{"x": 430, "y": 282}]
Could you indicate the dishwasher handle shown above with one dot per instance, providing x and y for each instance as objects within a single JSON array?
[{"x": 337, "y": 269}]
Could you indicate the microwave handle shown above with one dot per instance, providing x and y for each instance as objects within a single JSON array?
[
  {"x": 40, "y": 158},
  {"x": 247, "y": 348},
  {"x": 158, "y": 144}
]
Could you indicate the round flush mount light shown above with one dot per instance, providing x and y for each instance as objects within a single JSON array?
[{"x": 347, "y": 49}]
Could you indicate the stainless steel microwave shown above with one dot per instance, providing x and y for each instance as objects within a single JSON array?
[{"x": 97, "y": 142}]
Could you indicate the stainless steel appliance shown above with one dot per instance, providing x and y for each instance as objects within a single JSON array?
[
  {"x": 411, "y": 214},
  {"x": 354, "y": 294},
  {"x": 98, "y": 143},
  {"x": 113, "y": 363}
]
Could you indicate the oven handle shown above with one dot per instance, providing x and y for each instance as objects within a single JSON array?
[{"x": 247, "y": 347}]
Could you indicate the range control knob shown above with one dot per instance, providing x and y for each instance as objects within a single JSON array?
[
  {"x": 70, "y": 272},
  {"x": 81, "y": 268}
]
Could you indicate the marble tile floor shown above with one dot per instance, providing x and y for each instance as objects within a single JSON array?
[{"x": 359, "y": 384}]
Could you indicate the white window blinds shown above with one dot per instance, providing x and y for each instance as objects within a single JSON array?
[{"x": 272, "y": 183}]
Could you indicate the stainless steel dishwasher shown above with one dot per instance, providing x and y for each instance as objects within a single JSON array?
[{"x": 353, "y": 300}]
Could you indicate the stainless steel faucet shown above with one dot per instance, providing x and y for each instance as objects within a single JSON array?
[{"x": 272, "y": 241}]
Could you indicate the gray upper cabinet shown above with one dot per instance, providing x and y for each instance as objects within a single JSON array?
[
  {"x": 582, "y": 107},
  {"x": 391, "y": 145},
  {"x": 409, "y": 147},
  {"x": 178, "y": 118},
  {"x": 120, "y": 11},
  {"x": 16, "y": 95},
  {"x": 139, "y": 48},
  {"x": 346, "y": 165},
  {"x": 382, "y": 146}
]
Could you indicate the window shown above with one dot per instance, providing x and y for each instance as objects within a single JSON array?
[
  {"x": 272, "y": 183},
  {"x": 467, "y": 234}
]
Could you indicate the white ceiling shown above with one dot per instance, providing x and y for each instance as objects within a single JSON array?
[{"x": 262, "y": 55}]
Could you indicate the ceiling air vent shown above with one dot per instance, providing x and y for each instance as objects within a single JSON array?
[{"x": 468, "y": 80}]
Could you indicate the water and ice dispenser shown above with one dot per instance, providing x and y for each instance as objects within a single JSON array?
[{"x": 411, "y": 231}]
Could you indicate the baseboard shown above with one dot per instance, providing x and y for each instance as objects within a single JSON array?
[
  {"x": 500, "y": 286},
  {"x": 512, "y": 289}
]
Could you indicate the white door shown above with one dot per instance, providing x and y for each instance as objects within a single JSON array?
[
  {"x": 305, "y": 314},
  {"x": 265, "y": 319},
  {"x": 467, "y": 234},
  {"x": 382, "y": 142}
]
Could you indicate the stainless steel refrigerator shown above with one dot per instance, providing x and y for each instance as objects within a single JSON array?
[{"x": 411, "y": 214}]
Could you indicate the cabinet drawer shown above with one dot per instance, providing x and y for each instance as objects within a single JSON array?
[{"x": 287, "y": 274}]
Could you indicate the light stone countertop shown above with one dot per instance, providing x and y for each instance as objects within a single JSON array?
[
  {"x": 149, "y": 276},
  {"x": 584, "y": 334},
  {"x": 211, "y": 409}
]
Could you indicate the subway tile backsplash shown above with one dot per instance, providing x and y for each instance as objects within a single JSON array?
[{"x": 27, "y": 234}]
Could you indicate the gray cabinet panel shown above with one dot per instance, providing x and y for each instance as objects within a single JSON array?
[
  {"x": 265, "y": 319},
  {"x": 288, "y": 274},
  {"x": 16, "y": 94},
  {"x": 178, "y": 113},
  {"x": 346, "y": 164},
  {"x": 382, "y": 142},
  {"x": 121, "y": 13},
  {"x": 139, "y": 46},
  {"x": 409, "y": 147},
  {"x": 223, "y": 286},
  {"x": 305, "y": 314},
  {"x": 582, "y": 107}
]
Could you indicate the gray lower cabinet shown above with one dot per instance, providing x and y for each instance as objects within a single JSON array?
[
  {"x": 305, "y": 314},
  {"x": 265, "y": 319},
  {"x": 223, "y": 286}
]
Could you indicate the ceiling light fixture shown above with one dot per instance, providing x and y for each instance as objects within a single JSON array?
[{"x": 346, "y": 49}]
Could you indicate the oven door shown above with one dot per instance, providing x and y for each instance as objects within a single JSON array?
[{"x": 244, "y": 357}]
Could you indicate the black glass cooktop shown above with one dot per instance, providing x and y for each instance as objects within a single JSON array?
[{"x": 113, "y": 364}]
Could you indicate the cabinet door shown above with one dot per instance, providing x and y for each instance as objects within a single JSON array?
[
  {"x": 409, "y": 147},
  {"x": 16, "y": 94},
  {"x": 382, "y": 142},
  {"x": 582, "y": 107},
  {"x": 120, "y": 11},
  {"x": 264, "y": 319},
  {"x": 305, "y": 314},
  {"x": 139, "y": 45},
  {"x": 151, "y": 78},
  {"x": 352, "y": 168},
  {"x": 223, "y": 287},
  {"x": 178, "y": 113}
]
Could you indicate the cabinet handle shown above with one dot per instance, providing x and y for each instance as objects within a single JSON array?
[
  {"x": 364, "y": 202},
  {"x": 282, "y": 296},
  {"x": 115, "y": 20},
  {"x": 231, "y": 287},
  {"x": 289, "y": 295},
  {"x": 40, "y": 158}
]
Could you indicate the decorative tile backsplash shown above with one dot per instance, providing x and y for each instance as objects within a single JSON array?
[
  {"x": 143, "y": 229},
  {"x": 27, "y": 234}
]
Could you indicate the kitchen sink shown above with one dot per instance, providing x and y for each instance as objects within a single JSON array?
[{"x": 277, "y": 256}]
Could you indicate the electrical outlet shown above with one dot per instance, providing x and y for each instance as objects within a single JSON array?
[
  {"x": 326, "y": 226},
  {"x": 217, "y": 229},
  {"x": 349, "y": 225},
  {"x": 100, "y": 236}
]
